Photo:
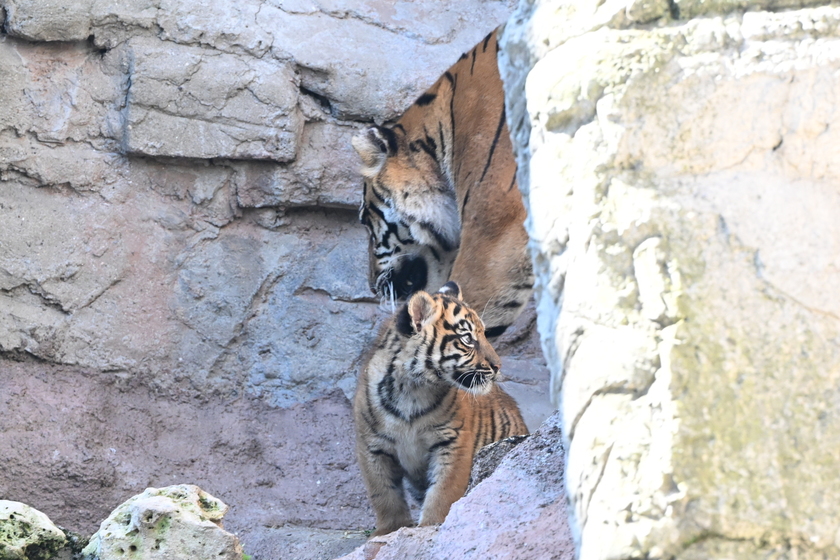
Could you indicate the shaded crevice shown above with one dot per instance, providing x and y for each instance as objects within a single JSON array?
[
  {"x": 322, "y": 100},
  {"x": 611, "y": 389},
  {"x": 674, "y": 9},
  {"x": 595, "y": 486},
  {"x": 36, "y": 290},
  {"x": 320, "y": 292}
]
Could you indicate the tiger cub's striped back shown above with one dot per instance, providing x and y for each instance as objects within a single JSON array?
[{"x": 425, "y": 403}]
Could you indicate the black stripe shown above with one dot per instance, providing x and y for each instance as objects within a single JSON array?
[
  {"x": 426, "y": 148},
  {"x": 492, "y": 427},
  {"x": 511, "y": 305},
  {"x": 431, "y": 142},
  {"x": 442, "y": 139},
  {"x": 452, "y": 115},
  {"x": 442, "y": 242},
  {"x": 425, "y": 99},
  {"x": 472, "y": 66},
  {"x": 505, "y": 423},
  {"x": 464, "y": 205},
  {"x": 431, "y": 408},
  {"x": 495, "y": 331},
  {"x": 444, "y": 443},
  {"x": 479, "y": 421},
  {"x": 399, "y": 126},
  {"x": 385, "y": 390},
  {"x": 383, "y": 454},
  {"x": 486, "y": 40},
  {"x": 493, "y": 145},
  {"x": 378, "y": 196},
  {"x": 512, "y": 181},
  {"x": 450, "y": 357}
]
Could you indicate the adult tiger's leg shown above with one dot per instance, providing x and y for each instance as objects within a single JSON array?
[{"x": 383, "y": 478}]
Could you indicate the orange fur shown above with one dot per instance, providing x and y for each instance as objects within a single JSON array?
[
  {"x": 444, "y": 178},
  {"x": 424, "y": 404}
]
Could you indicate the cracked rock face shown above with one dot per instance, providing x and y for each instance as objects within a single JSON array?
[
  {"x": 180, "y": 246},
  {"x": 178, "y": 192},
  {"x": 682, "y": 186},
  {"x": 172, "y": 523}
]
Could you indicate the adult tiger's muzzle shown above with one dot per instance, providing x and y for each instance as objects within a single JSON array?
[{"x": 408, "y": 275}]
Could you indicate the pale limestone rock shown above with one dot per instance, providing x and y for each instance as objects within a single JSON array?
[
  {"x": 172, "y": 523},
  {"x": 27, "y": 534},
  {"x": 682, "y": 184}
]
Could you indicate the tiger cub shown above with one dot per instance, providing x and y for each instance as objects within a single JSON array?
[{"x": 424, "y": 404}]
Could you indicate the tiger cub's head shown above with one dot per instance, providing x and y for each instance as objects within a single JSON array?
[
  {"x": 410, "y": 211},
  {"x": 446, "y": 341}
]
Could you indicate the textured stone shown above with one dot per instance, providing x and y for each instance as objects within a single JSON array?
[
  {"x": 488, "y": 458},
  {"x": 172, "y": 523},
  {"x": 206, "y": 265},
  {"x": 59, "y": 93},
  {"x": 199, "y": 103},
  {"x": 324, "y": 173},
  {"x": 27, "y": 534},
  {"x": 677, "y": 179},
  {"x": 48, "y": 20}
]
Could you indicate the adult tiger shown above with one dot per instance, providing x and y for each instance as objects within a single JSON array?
[
  {"x": 441, "y": 199},
  {"x": 425, "y": 403}
]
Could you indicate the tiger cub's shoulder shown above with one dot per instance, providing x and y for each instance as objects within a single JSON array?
[{"x": 426, "y": 401}]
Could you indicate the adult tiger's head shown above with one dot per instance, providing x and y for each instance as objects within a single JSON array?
[
  {"x": 410, "y": 211},
  {"x": 446, "y": 341}
]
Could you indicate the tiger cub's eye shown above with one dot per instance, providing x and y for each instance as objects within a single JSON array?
[{"x": 467, "y": 339}]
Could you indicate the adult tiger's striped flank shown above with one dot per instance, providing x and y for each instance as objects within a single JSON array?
[
  {"x": 424, "y": 404},
  {"x": 440, "y": 198}
]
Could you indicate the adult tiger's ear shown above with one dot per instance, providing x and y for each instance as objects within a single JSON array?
[
  {"x": 421, "y": 309},
  {"x": 374, "y": 144},
  {"x": 451, "y": 289}
]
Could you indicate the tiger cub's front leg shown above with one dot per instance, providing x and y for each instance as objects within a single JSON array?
[
  {"x": 449, "y": 475},
  {"x": 383, "y": 477}
]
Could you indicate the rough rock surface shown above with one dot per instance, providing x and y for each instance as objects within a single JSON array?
[
  {"x": 74, "y": 442},
  {"x": 183, "y": 293},
  {"x": 518, "y": 513},
  {"x": 487, "y": 459},
  {"x": 682, "y": 181},
  {"x": 180, "y": 522},
  {"x": 27, "y": 534},
  {"x": 178, "y": 192}
]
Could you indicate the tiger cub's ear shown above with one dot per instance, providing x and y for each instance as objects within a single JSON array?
[
  {"x": 422, "y": 310},
  {"x": 451, "y": 289},
  {"x": 374, "y": 145}
]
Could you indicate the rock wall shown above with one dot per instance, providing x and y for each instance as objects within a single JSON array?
[
  {"x": 183, "y": 283},
  {"x": 179, "y": 194},
  {"x": 680, "y": 166}
]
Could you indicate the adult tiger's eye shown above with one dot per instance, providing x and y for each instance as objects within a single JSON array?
[{"x": 467, "y": 339}]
